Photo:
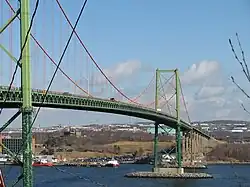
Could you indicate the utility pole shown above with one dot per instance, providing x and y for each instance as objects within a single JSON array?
[{"x": 26, "y": 94}]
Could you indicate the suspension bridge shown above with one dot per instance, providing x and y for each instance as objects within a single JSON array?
[{"x": 93, "y": 90}]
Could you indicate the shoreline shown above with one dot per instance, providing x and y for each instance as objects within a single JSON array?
[{"x": 227, "y": 162}]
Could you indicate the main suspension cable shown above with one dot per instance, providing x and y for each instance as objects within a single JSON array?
[{"x": 92, "y": 58}]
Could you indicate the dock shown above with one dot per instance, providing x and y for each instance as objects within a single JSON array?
[
  {"x": 146, "y": 174},
  {"x": 187, "y": 166}
]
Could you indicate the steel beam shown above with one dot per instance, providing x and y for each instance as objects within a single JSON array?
[
  {"x": 166, "y": 70},
  {"x": 10, "y": 21},
  {"x": 157, "y": 78},
  {"x": 156, "y": 124},
  {"x": 10, "y": 120},
  {"x": 26, "y": 94},
  {"x": 12, "y": 155},
  {"x": 178, "y": 129},
  {"x": 9, "y": 54},
  {"x": 156, "y": 139}
]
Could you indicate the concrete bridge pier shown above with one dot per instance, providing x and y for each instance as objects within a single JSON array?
[
  {"x": 193, "y": 148},
  {"x": 186, "y": 147}
]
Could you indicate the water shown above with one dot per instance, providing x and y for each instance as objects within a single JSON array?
[{"x": 224, "y": 176}]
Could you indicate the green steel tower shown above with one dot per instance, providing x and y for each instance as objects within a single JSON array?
[
  {"x": 26, "y": 94},
  {"x": 177, "y": 108},
  {"x": 178, "y": 130},
  {"x": 156, "y": 124}
]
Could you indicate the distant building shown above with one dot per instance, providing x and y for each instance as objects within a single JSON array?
[
  {"x": 13, "y": 144},
  {"x": 162, "y": 130}
]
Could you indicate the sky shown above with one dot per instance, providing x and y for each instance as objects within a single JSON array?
[{"x": 129, "y": 40}]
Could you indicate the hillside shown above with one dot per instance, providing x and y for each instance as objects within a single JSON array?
[{"x": 223, "y": 122}]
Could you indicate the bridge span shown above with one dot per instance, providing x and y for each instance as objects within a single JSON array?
[{"x": 78, "y": 102}]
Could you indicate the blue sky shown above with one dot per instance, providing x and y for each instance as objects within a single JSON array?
[{"x": 140, "y": 36}]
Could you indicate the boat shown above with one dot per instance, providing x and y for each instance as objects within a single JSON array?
[
  {"x": 112, "y": 163},
  {"x": 42, "y": 162}
]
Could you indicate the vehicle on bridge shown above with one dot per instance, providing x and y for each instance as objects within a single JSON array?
[{"x": 66, "y": 93}]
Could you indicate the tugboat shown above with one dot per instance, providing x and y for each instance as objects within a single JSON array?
[
  {"x": 112, "y": 163},
  {"x": 42, "y": 162}
]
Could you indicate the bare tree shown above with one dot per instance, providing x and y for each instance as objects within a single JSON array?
[{"x": 244, "y": 68}]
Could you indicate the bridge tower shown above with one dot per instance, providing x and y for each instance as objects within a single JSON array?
[
  {"x": 178, "y": 127},
  {"x": 26, "y": 93}
]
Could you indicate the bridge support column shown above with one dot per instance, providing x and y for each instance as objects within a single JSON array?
[
  {"x": 195, "y": 145},
  {"x": 202, "y": 145},
  {"x": 186, "y": 152},
  {"x": 156, "y": 139},
  {"x": 192, "y": 146},
  {"x": 188, "y": 142},
  {"x": 183, "y": 146},
  {"x": 26, "y": 94},
  {"x": 178, "y": 129}
]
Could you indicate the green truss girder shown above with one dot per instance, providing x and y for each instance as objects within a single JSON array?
[{"x": 77, "y": 102}]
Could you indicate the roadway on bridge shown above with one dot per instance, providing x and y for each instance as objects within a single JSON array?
[{"x": 78, "y": 102}]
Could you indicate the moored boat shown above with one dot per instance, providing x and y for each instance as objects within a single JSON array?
[
  {"x": 42, "y": 162},
  {"x": 112, "y": 163}
]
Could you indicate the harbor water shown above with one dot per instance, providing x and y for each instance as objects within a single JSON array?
[{"x": 224, "y": 175}]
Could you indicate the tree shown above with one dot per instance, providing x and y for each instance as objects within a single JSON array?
[
  {"x": 140, "y": 151},
  {"x": 135, "y": 153},
  {"x": 244, "y": 67},
  {"x": 117, "y": 149}
]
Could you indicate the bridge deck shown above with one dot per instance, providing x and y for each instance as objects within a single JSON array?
[{"x": 77, "y": 102}]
